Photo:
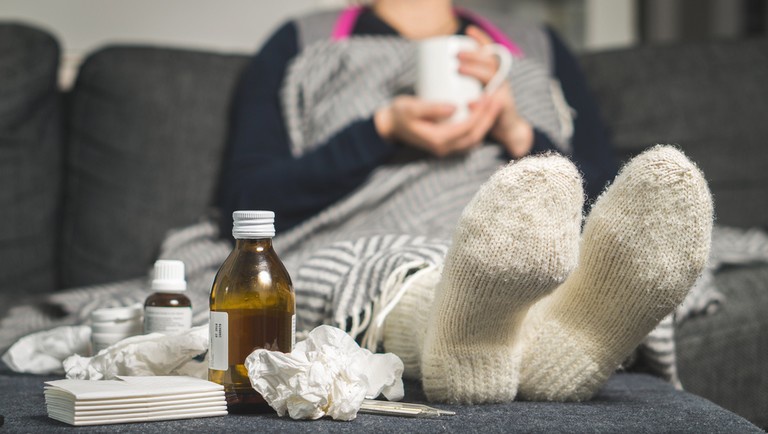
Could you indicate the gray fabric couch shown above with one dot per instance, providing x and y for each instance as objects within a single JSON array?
[
  {"x": 711, "y": 100},
  {"x": 629, "y": 403},
  {"x": 92, "y": 180}
]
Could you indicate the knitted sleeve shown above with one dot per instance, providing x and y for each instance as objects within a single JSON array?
[{"x": 259, "y": 171}]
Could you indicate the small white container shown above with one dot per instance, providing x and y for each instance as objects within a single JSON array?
[
  {"x": 117, "y": 327},
  {"x": 111, "y": 325}
]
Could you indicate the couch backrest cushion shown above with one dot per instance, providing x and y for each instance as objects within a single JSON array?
[
  {"x": 709, "y": 98},
  {"x": 147, "y": 131},
  {"x": 30, "y": 159}
]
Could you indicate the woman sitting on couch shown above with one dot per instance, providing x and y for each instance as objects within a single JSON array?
[{"x": 372, "y": 180}]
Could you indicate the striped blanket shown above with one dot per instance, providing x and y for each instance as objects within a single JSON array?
[{"x": 337, "y": 284}]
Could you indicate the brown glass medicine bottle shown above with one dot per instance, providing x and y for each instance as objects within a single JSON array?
[
  {"x": 252, "y": 306},
  {"x": 168, "y": 310}
]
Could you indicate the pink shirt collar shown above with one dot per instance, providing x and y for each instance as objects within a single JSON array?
[{"x": 348, "y": 17}]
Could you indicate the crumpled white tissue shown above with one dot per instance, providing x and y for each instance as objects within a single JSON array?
[
  {"x": 42, "y": 352},
  {"x": 326, "y": 374},
  {"x": 152, "y": 354}
]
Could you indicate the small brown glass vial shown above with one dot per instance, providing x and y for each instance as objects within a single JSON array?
[{"x": 168, "y": 310}]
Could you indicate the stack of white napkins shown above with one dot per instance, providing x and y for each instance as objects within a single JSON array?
[{"x": 133, "y": 399}]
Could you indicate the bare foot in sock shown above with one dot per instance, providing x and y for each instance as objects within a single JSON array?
[
  {"x": 644, "y": 243},
  {"x": 516, "y": 241}
]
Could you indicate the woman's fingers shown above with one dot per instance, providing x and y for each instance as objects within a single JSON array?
[
  {"x": 481, "y": 64},
  {"x": 483, "y": 70},
  {"x": 470, "y": 132},
  {"x": 419, "y": 109},
  {"x": 484, "y": 114},
  {"x": 425, "y": 124},
  {"x": 479, "y": 35}
]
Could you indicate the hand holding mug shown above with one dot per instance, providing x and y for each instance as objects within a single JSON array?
[
  {"x": 439, "y": 78},
  {"x": 510, "y": 129},
  {"x": 462, "y": 95},
  {"x": 424, "y": 125}
]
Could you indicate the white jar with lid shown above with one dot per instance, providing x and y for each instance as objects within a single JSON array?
[{"x": 111, "y": 325}]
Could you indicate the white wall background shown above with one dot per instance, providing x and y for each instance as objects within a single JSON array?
[
  {"x": 610, "y": 24},
  {"x": 242, "y": 25}
]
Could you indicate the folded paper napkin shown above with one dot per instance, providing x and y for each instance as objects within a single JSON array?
[
  {"x": 326, "y": 374},
  {"x": 133, "y": 399}
]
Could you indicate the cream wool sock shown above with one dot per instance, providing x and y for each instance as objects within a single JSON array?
[
  {"x": 516, "y": 241},
  {"x": 644, "y": 243}
]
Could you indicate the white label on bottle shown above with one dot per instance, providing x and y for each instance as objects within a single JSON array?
[
  {"x": 167, "y": 319},
  {"x": 293, "y": 331},
  {"x": 218, "y": 355}
]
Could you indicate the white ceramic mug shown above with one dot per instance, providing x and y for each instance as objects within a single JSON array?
[{"x": 439, "y": 80}]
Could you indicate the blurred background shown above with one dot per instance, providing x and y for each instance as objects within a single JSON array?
[{"x": 240, "y": 26}]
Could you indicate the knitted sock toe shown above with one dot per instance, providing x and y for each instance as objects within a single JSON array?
[
  {"x": 516, "y": 241},
  {"x": 644, "y": 243}
]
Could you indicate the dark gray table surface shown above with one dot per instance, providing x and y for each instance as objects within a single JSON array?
[{"x": 627, "y": 403}]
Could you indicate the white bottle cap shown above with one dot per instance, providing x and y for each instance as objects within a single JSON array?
[
  {"x": 253, "y": 224},
  {"x": 169, "y": 276}
]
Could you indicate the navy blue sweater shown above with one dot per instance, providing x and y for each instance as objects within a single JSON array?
[{"x": 260, "y": 172}]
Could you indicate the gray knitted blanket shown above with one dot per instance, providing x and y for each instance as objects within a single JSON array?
[{"x": 403, "y": 216}]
